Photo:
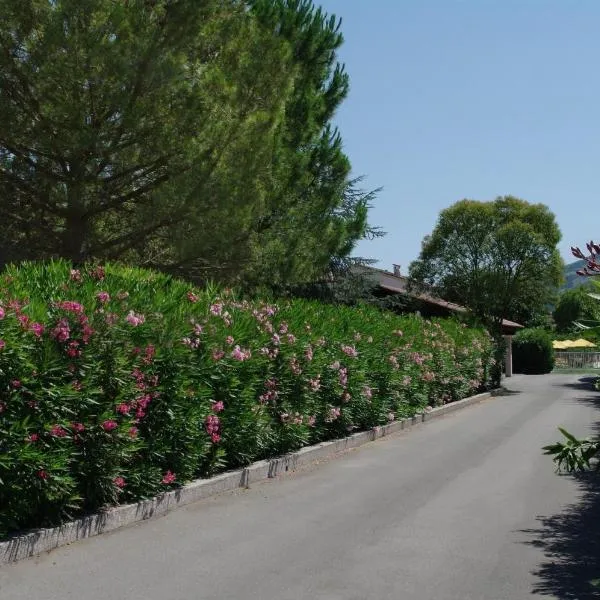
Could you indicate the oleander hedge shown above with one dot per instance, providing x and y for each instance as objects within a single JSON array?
[{"x": 117, "y": 383}]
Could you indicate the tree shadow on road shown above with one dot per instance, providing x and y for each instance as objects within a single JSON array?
[
  {"x": 584, "y": 383},
  {"x": 571, "y": 544}
]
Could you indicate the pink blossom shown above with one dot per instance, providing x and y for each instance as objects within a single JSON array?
[
  {"x": 168, "y": 478},
  {"x": 2, "y": 313},
  {"x": 217, "y": 354},
  {"x": 98, "y": 273},
  {"x": 350, "y": 351},
  {"x": 239, "y": 354},
  {"x": 367, "y": 392},
  {"x": 78, "y": 427},
  {"x": 291, "y": 338},
  {"x": 215, "y": 438},
  {"x": 135, "y": 319},
  {"x": 42, "y": 474},
  {"x": 133, "y": 431},
  {"x": 322, "y": 342},
  {"x": 346, "y": 397},
  {"x": 62, "y": 331},
  {"x": 111, "y": 318},
  {"x": 192, "y": 297},
  {"x": 75, "y": 275},
  {"x": 218, "y": 406},
  {"x": 58, "y": 431},
  {"x": 284, "y": 417},
  {"x": 123, "y": 409},
  {"x": 119, "y": 482},
  {"x": 283, "y": 328},
  {"x": 37, "y": 329},
  {"x": 428, "y": 376},
  {"x": 23, "y": 320},
  {"x": 334, "y": 413},
  {"x": 407, "y": 380},
  {"x": 33, "y": 437},
  {"x": 315, "y": 384},
  {"x": 391, "y": 416},
  {"x": 308, "y": 353},
  {"x": 16, "y": 383},
  {"x": 275, "y": 340},
  {"x": 123, "y": 295},
  {"x": 357, "y": 337},
  {"x": 343, "y": 377},
  {"x": 71, "y": 306},
  {"x": 73, "y": 349},
  {"x": 109, "y": 425},
  {"x": 310, "y": 421},
  {"x": 295, "y": 367},
  {"x": 216, "y": 309},
  {"x": 229, "y": 340},
  {"x": 212, "y": 424},
  {"x": 86, "y": 333},
  {"x": 335, "y": 366},
  {"x": 2, "y": 344}
]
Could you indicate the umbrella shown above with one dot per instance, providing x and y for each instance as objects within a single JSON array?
[{"x": 564, "y": 344}]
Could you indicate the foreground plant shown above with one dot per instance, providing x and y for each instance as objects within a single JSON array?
[{"x": 118, "y": 383}]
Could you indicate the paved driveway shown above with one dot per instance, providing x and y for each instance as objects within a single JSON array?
[{"x": 461, "y": 508}]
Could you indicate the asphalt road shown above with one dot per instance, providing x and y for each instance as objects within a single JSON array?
[{"x": 462, "y": 508}]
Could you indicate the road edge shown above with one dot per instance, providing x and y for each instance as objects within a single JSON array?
[{"x": 39, "y": 541}]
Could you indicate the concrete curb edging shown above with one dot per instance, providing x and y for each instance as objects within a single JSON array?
[{"x": 43, "y": 540}]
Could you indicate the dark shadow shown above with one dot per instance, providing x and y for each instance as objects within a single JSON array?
[
  {"x": 503, "y": 391},
  {"x": 571, "y": 544}
]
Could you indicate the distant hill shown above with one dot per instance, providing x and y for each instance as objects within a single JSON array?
[{"x": 573, "y": 280}]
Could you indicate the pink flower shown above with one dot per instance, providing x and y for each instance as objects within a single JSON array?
[
  {"x": 215, "y": 438},
  {"x": 75, "y": 275},
  {"x": 62, "y": 331},
  {"x": 291, "y": 338},
  {"x": 350, "y": 351},
  {"x": 308, "y": 353},
  {"x": 295, "y": 367},
  {"x": 230, "y": 340},
  {"x": 16, "y": 383},
  {"x": 217, "y": 354},
  {"x": 135, "y": 319},
  {"x": 218, "y": 406},
  {"x": 111, "y": 318},
  {"x": 407, "y": 380},
  {"x": 71, "y": 306},
  {"x": 33, "y": 437},
  {"x": 275, "y": 340},
  {"x": 168, "y": 478},
  {"x": 78, "y": 427},
  {"x": 334, "y": 413},
  {"x": 212, "y": 424},
  {"x": 123, "y": 295},
  {"x": 103, "y": 297},
  {"x": 133, "y": 431},
  {"x": 346, "y": 397},
  {"x": 42, "y": 474},
  {"x": 357, "y": 337},
  {"x": 391, "y": 416},
  {"x": 109, "y": 425},
  {"x": 2, "y": 313},
  {"x": 123, "y": 409},
  {"x": 367, "y": 392},
  {"x": 283, "y": 328},
  {"x": 310, "y": 421},
  {"x": 315, "y": 384},
  {"x": 37, "y": 329},
  {"x": 216, "y": 309},
  {"x": 335, "y": 366},
  {"x": 2, "y": 344},
  {"x": 23, "y": 320},
  {"x": 239, "y": 354},
  {"x": 192, "y": 297},
  {"x": 58, "y": 431},
  {"x": 119, "y": 482},
  {"x": 343, "y": 377},
  {"x": 98, "y": 273}
]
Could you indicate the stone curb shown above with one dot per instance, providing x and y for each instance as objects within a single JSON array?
[{"x": 44, "y": 540}]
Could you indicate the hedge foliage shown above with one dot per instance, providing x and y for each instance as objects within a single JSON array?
[
  {"x": 533, "y": 352},
  {"x": 117, "y": 383}
]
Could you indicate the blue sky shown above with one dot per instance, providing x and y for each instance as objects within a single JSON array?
[{"x": 455, "y": 99}]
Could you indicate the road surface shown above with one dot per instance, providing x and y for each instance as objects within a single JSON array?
[{"x": 461, "y": 508}]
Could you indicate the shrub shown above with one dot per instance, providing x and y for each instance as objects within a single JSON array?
[
  {"x": 533, "y": 352},
  {"x": 117, "y": 383}
]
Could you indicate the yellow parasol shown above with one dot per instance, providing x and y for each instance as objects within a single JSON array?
[{"x": 565, "y": 344}]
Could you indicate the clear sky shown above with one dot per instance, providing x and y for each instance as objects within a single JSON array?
[{"x": 455, "y": 99}]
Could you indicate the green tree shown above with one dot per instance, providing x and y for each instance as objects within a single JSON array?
[
  {"x": 497, "y": 258},
  {"x": 187, "y": 135},
  {"x": 575, "y": 306}
]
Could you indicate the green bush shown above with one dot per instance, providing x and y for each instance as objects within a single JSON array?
[
  {"x": 533, "y": 352},
  {"x": 117, "y": 383}
]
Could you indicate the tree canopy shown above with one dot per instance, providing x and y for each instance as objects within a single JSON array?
[
  {"x": 193, "y": 136},
  {"x": 497, "y": 258},
  {"x": 575, "y": 306}
]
